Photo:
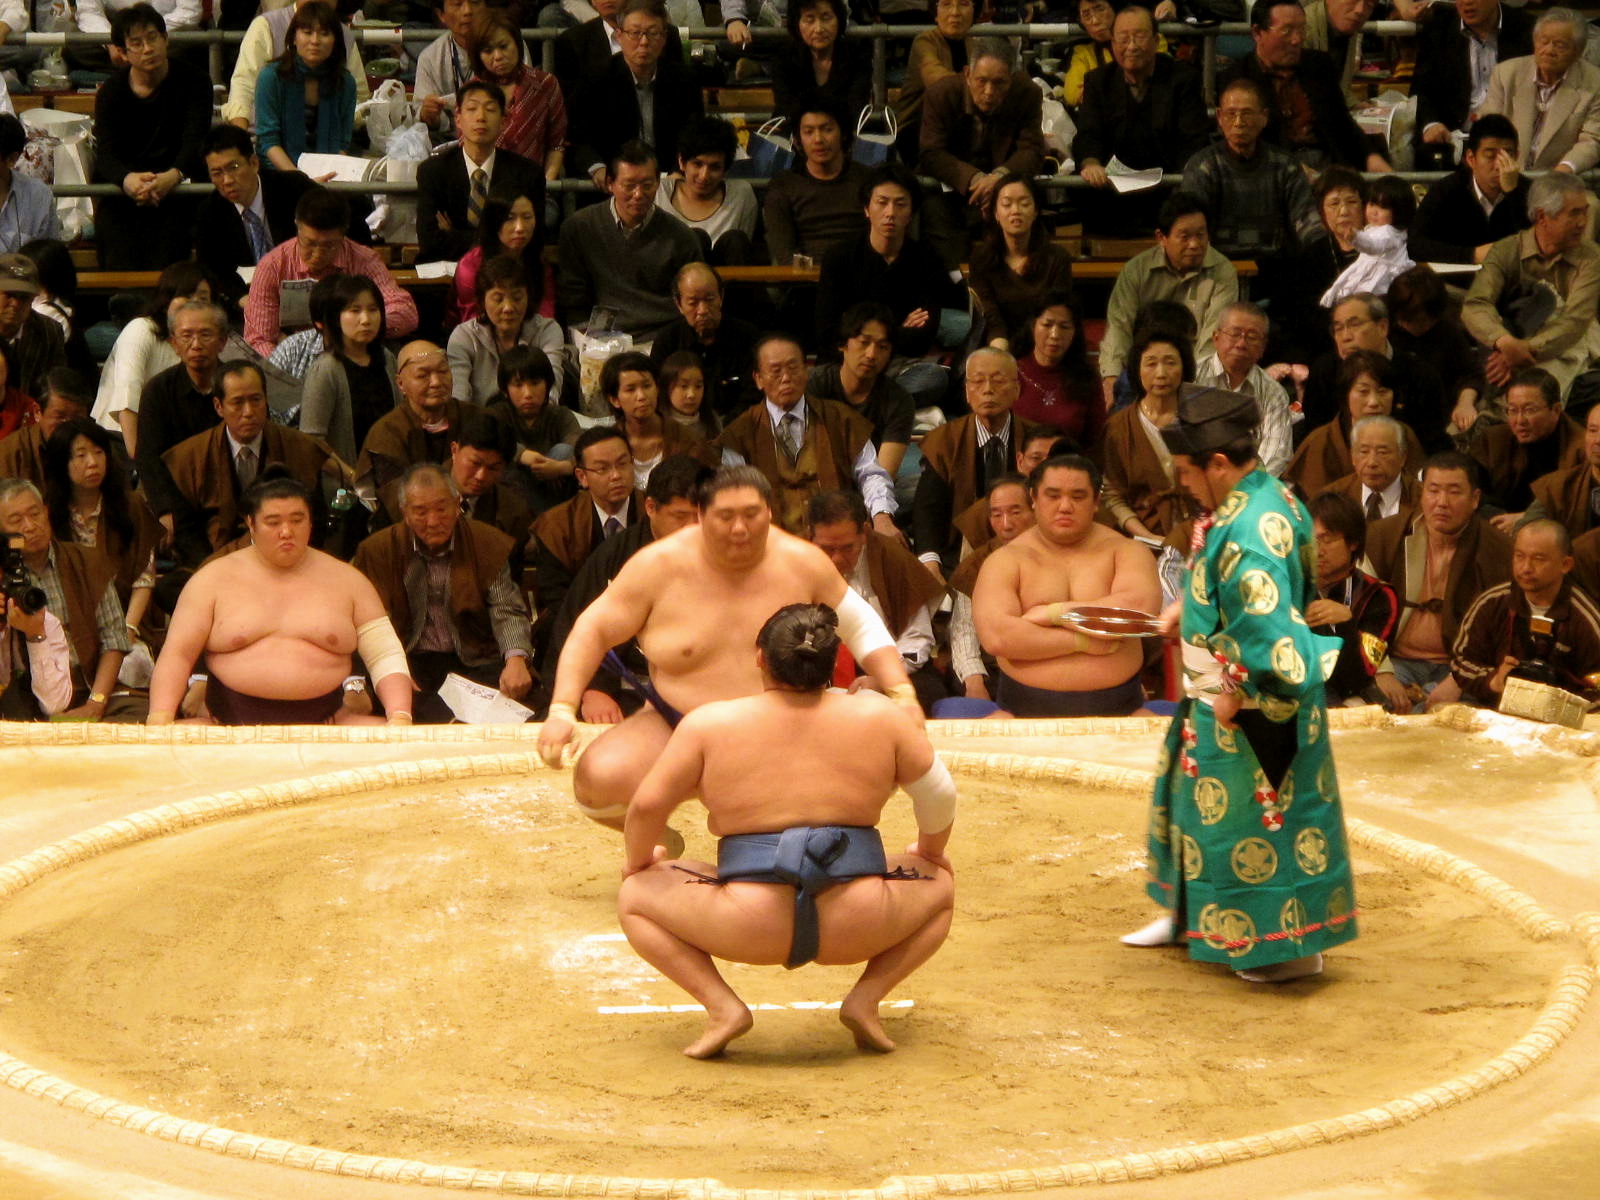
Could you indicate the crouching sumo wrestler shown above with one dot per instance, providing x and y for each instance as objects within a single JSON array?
[{"x": 794, "y": 781}]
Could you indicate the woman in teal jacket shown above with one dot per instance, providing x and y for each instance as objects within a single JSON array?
[{"x": 306, "y": 100}]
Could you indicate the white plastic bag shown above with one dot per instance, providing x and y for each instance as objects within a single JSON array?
[
  {"x": 593, "y": 350},
  {"x": 1392, "y": 116},
  {"x": 394, "y": 218},
  {"x": 58, "y": 152},
  {"x": 1059, "y": 129},
  {"x": 387, "y": 111}
]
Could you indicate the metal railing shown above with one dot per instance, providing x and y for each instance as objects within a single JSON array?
[{"x": 879, "y": 35}]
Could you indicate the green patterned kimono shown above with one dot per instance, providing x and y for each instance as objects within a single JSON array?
[{"x": 1247, "y": 894}]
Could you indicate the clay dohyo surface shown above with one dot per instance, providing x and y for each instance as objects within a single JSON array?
[{"x": 425, "y": 973}]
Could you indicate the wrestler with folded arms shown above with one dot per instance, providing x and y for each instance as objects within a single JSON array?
[
  {"x": 694, "y": 601},
  {"x": 277, "y": 622},
  {"x": 801, "y": 873}
]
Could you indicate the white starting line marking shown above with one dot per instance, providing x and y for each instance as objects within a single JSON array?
[{"x": 635, "y": 1009}]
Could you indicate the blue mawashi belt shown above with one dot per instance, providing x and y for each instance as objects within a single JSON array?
[{"x": 809, "y": 858}]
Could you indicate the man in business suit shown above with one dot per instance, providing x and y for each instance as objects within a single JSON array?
[
  {"x": 225, "y": 237},
  {"x": 565, "y": 536},
  {"x": 1484, "y": 200},
  {"x": 1144, "y": 110},
  {"x": 452, "y": 188},
  {"x": 1457, "y": 51},
  {"x": 211, "y": 471},
  {"x": 1308, "y": 117},
  {"x": 642, "y": 94},
  {"x": 583, "y": 53},
  {"x": 1552, "y": 97},
  {"x": 962, "y": 457}
]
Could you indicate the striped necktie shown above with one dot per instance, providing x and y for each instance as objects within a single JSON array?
[
  {"x": 256, "y": 230},
  {"x": 480, "y": 193}
]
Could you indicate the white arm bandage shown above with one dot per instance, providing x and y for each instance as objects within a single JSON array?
[
  {"x": 933, "y": 799},
  {"x": 860, "y": 628},
  {"x": 381, "y": 649}
]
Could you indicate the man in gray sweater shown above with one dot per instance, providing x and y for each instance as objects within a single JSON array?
[{"x": 625, "y": 254}]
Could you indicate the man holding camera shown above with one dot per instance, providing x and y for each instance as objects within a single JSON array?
[{"x": 78, "y": 590}]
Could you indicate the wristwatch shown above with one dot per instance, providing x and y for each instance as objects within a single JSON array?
[{"x": 97, "y": 697}]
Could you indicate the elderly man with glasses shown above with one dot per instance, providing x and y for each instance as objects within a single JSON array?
[{"x": 1234, "y": 364}]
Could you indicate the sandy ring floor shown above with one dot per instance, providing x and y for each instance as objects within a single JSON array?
[{"x": 1569, "y": 992}]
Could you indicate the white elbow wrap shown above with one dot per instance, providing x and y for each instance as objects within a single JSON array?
[
  {"x": 381, "y": 649},
  {"x": 933, "y": 799},
  {"x": 861, "y": 629}
]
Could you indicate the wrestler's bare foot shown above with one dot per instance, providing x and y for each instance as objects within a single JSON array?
[
  {"x": 721, "y": 1028},
  {"x": 1295, "y": 968},
  {"x": 1162, "y": 931},
  {"x": 861, "y": 1019}
]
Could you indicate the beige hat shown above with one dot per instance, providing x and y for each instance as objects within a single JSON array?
[{"x": 18, "y": 274}]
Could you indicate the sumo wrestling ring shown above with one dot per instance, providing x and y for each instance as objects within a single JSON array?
[{"x": 393, "y": 955}]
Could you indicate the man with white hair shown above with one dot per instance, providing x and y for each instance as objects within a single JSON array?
[
  {"x": 1238, "y": 342},
  {"x": 1505, "y": 310},
  {"x": 1379, "y": 485},
  {"x": 445, "y": 581},
  {"x": 1552, "y": 96}
]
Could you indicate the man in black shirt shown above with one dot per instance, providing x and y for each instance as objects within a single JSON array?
[
  {"x": 150, "y": 119},
  {"x": 179, "y": 402},
  {"x": 888, "y": 265},
  {"x": 726, "y": 345},
  {"x": 1484, "y": 200}
]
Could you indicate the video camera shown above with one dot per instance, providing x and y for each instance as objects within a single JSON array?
[{"x": 15, "y": 581}]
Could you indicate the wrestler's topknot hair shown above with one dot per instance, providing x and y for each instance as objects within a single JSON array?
[{"x": 801, "y": 642}]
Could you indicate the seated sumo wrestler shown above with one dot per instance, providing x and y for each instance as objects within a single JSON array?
[
  {"x": 277, "y": 623},
  {"x": 801, "y": 872},
  {"x": 1047, "y": 669}
]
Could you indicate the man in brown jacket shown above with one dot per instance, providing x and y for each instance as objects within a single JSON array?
[
  {"x": 1379, "y": 485},
  {"x": 210, "y": 471},
  {"x": 1437, "y": 563},
  {"x": 1537, "y": 625},
  {"x": 80, "y": 591},
  {"x": 1572, "y": 494},
  {"x": 22, "y": 453},
  {"x": 447, "y": 586},
  {"x": 419, "y": 430},
  {"x": 888, "y": 577},
  {"x": 979, "y": 128},
  {"x": 1537, "y": 438},
  {"x": 804, "y": 445},
  {"x": 962, "y": 457}
]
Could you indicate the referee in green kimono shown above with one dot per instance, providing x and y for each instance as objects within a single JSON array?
[{"x": 1247, "y": 840}]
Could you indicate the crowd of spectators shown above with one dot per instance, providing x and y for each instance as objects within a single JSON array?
[{"x": 970, "y": 434}]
